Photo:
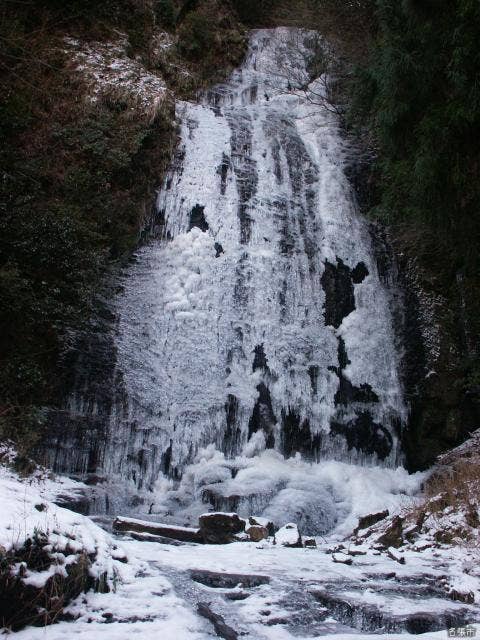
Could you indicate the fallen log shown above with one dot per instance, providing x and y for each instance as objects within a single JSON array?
[
  {"x": 184, "y": 534},
  {"x": 221, "y": 628}
]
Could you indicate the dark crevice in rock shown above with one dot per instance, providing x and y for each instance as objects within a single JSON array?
[
  {"x": 260, "y": 360},
  {"x": 223, "y": 172},
  {"x": 347, "y": 393},
  {"x": 337, "y": 282},
  {"x": 232, "y": 431},
  {"x": 365, "y": 435},
  {"x": 263, "y": 418},
  {"x": 297, "y": 436},
  {"x": 339, "y": 297},
  {"x": 197, "y": 218},
  {"x": 167, "y": 459},
  {"x": 359, "y": 273},
  {"x": 313, "y": 371}
]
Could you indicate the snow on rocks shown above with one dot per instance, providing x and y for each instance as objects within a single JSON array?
[
  {"x": 220, "y": 528},
  {"x": 183, "y": 534},
  {"x": 49, "y": 554},
  {"x": 289, "y": 536},
  {"x": 109, "y": 71}
]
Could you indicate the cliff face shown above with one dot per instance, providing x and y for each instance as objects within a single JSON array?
[
  {"x": 87, "y": 114},
  {"x": 87, "y": 117}
]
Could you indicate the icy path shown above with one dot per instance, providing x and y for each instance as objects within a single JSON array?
[{"x": 147, "y": 606}]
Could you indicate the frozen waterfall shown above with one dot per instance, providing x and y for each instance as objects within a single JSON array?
[{"x": 256, "y": 326}]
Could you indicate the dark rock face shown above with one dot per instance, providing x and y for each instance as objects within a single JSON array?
[
  {"x": 393, "y": 534},
  {"x": 365, "y": 435},
  {"x": 372, "y": 518},
  {"x": 197, "y": 218},
  {"x": 339, "y": 298},
  {"x": 218, "y": 249},
  {"x": 296, "y": 434},
  {"x": 263, "y": 418},
  {"x": 77, "y": 432},
  {"x": 219, "y": 528}
]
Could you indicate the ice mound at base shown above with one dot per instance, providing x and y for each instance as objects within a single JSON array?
[{"x": 326, "y": 497}]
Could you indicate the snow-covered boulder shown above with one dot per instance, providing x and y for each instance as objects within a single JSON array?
[{"x": 289, "y": 536}]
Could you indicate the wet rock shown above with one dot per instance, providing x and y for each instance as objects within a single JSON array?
[
  {"x": 339, "y": 297},
  {"x": 342, "y": 558},
  {"x": 289, "y": 536},
  {"x": 184, "y": 534},
  {"x": 354, "y": 612},
  {"x": 310, "y": 543},
  {"x": 236, "y": 595},
  {"x": 219, "y": 528},
  {"x": 219, "y": 580},
  {"x": 263, "y": 522},
  {"x": 394, "y": 555},
  {"x": 421, "y": 623},
  {"x": 197, "y": 218},
  {"x": 150, "y": 537},
  {"x": 393, "y": 534},
  {"x": 263, "y": 417},
  {"x": 468, "y": 597},
  {"x": 257, "y": 533},
  {"x": 221, "y": 628},
  {"x": 364, "y": 522},
  {"x": 218, "y": 249}
]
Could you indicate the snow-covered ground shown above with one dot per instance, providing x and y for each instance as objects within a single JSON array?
[
  {"x": 308, "y": 592},
  {"x": 157, "y": 598}
]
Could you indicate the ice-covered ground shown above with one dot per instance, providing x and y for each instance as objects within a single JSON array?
[
  {"x": 157, "y": 597},
  {"x": 154, "y": 594}
]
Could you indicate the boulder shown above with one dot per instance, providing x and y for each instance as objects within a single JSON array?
[
  {"x": 219, "y": 580},
  {"x": 342, "y": 558},
  {"x": 289, "y": 536},
  {"x": 364, "y": 522},
  {"x": 393, "y": 554},
  {"x": 393, "y": 534},
  {"x": 257, "y": 533},
  {"x": 263, "y": 522},
  {"x": 310, "y": 543},
  {"x": 220, "y": 528}
]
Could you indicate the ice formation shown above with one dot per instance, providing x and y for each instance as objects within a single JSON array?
[{"x": 257, "y": 319}]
